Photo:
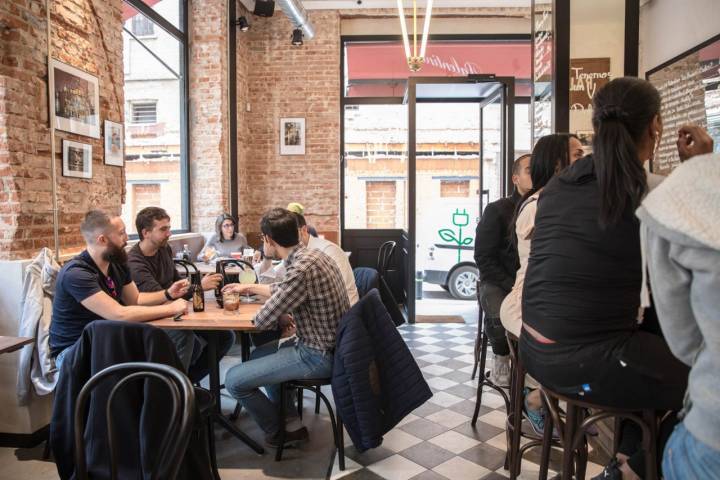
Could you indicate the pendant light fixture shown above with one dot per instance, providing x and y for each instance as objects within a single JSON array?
[{"x": 415, "y": 59}]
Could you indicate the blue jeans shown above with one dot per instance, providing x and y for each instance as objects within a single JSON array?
[
  {"x": 268, "y": 367},
  {"x": 61, "y": 356},
  {"x": 687, "y": 458}
]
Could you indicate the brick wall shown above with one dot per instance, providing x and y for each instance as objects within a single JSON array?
[
  {"x": 87, "y": 36},
  {"x": 287, "y": 81},
  {"x": 208, "y": 113},
  {"x": 454, "y": 188},
  {"x": 380, "y": 204}
]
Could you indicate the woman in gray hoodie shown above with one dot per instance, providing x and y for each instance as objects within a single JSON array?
[{"x": 681, "y": 230}]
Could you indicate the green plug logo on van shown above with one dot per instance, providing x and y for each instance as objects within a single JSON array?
[{"x": 460, "y": 220}]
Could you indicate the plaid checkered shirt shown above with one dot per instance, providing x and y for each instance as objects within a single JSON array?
[{"x": 313, "y": 291}]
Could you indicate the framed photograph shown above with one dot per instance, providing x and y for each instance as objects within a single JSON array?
[
  {"x": 114, "y": 143},
  {"x": 292, "y": 136},
  {"x": 77, "y": 159},
  {"x": 77, "y": 100}
]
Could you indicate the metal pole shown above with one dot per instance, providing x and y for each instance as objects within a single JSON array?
[{"x": 53, "y": 160}]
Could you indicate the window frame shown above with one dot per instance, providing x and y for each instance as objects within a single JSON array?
[
  {"x": 179, "y": 34},
  {"x": 146, "y": 21},
  {"x": 346, "y": 101}
]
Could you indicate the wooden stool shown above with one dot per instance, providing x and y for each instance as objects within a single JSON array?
[
  {"x": 576, "y": 422},
  {"x": 481, "y": 347},
  {"x": 514, "y": 419}
]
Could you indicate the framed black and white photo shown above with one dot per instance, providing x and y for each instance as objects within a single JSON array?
[
  {"x": 113, "y": 143},
  {"x": 292, "y": 136},
  {"x": 76, "y": 98},
  {"x": 77, "y": 159}
]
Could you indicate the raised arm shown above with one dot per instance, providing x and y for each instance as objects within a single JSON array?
[{"x": 104, "y": 306}]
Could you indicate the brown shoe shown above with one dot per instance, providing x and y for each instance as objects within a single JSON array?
[{"x": 291, "y": 438}]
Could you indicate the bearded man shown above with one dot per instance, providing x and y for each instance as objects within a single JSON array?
[{"x": 96, "y": 285}]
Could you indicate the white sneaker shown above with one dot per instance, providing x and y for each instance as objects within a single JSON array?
[{"x": 500, "y": 373}]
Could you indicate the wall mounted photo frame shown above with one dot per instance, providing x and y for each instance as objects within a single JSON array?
[
  {"x": 114, "y": 144},
  {"x": 76, "y": 97},
  {"x": 292, "y": 136},
  {"x": 77, "y": 159}
]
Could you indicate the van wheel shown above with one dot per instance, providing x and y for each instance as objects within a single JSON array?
[{"x": 463, "y": 283}]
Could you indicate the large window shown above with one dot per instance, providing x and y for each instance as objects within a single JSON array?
[{"x": 155, "y": 114}]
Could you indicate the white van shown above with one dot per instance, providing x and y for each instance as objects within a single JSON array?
[{"x": 445, "y": 245}]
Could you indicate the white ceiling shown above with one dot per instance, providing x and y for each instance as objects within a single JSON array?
[
  {"x": 349, "y": 4},
  {"x": 353, "y": 4}
]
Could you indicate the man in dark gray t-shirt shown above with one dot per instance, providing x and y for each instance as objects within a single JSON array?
[{"x": 153, "y": 270}]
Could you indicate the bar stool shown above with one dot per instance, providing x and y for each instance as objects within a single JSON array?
[
  {"x": 576, "y": 422},
  {"x": 514, "y": 419},
  {"x": 481, "y": 347}
]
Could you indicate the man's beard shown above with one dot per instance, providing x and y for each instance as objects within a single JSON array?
[
  {"x": 163, "y": 243},
  {"x": 115, "y": 254}
]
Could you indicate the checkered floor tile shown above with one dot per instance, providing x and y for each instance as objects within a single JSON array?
[{"x": 435, "y": 442}]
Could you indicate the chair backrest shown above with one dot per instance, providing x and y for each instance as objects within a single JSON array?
[
  {"x": 385, "y": 253},
  {"x": 179, "y": 428}
]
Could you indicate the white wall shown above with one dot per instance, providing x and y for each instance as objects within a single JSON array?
[
  {"x": 597, "y": 30},
  {"x": 670, "y": 27}
]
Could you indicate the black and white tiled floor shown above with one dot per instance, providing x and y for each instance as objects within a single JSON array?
[{"x": 435, "y": 442}]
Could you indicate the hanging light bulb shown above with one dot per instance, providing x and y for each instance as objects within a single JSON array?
[{"x": 414, "y": 58}]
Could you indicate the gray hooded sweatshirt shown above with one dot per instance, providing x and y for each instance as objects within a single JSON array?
[{"x": 681, "y": 230}]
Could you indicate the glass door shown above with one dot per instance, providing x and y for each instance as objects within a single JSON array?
[{"x": 459, "y": 148}]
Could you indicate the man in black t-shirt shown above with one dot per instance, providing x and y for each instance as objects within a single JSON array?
[
  {"x": 153, "y": 270},
  {"x": 97, "y": 285}
]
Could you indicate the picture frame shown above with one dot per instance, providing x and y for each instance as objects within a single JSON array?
[
  {"x": 114, "y": 144},
  {"x": 75, "y": 100},
  {"x": 77, "y": 159},
  {"x": 292, "y": 136}
]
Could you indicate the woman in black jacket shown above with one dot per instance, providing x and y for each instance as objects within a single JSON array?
[{"x": 582, "y": 333}]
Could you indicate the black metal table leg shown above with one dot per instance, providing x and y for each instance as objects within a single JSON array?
[{"x": 217, "y": 416}]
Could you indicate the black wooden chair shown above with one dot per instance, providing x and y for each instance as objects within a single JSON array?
[{"x": 177, "y": 435}]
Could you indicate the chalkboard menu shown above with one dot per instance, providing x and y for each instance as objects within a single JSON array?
[
  {"x": 689, "y": 86},
  {"x": 542, "y": 68}
]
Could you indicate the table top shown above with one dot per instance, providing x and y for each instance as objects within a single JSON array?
[
  {"x": 10, "y": 344},
  {"x": 213, "y": 318}
]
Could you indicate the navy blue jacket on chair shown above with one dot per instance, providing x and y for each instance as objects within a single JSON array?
[
  {"x": 375, "y": 381},
  {"x": 365, "y": 279}
]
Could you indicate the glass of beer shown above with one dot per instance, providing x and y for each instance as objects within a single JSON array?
[{"x": 231, "y": 302}]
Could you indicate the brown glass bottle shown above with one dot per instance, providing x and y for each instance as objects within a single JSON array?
[{"x": 198, "y": 296}]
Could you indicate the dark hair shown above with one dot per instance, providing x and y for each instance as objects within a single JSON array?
[
  {"x": 622, "y": 111},
  {"x": 146, "y": 218},
  {"x": 550, "y": 156},
  {"x": 300, "y": 220},
  {"x": 94, "y": 221},
  {"x": 218, "y": 226},
  {"x": 281, "y": 225},
  {"x": 516, "y": 163}
]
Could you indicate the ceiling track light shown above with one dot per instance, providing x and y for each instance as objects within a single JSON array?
[
  {"x": 297, "y": 37},
  {"x": 242, "y": 22}
]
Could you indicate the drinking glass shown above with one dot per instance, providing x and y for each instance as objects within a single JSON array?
[
  {"x": 231, "y": 302},
  {"x": 247, "y": 276}
]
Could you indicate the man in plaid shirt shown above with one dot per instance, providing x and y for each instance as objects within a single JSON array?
[{"x": 310, "y": 300}]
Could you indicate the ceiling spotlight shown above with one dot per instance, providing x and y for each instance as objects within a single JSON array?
[
  {"x": 297, "y": 37},
  {"x": 243, "y": 24}
]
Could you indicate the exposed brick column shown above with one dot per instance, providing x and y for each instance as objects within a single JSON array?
[{"x": 208, "y": 113}]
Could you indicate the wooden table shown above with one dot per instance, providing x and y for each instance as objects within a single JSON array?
[
  {"x": 208, "y": 268},
  {"x": 10, "y": 344},
  {"x": 215, "y": 318}
]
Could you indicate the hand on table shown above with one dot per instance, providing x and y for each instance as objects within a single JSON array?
[
  {"x": 693, "y": 140},
  {"x": 210, "y": 282},
  {"x": 179, "y": 306},
  {"x": 179, "y": 288},
  {"x": 237, "y": 288}
]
